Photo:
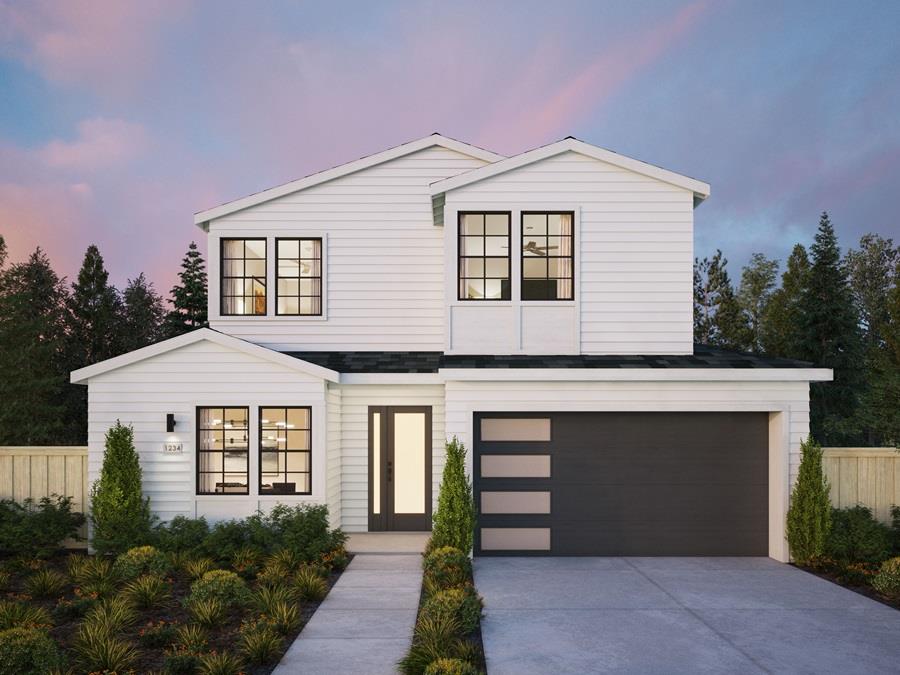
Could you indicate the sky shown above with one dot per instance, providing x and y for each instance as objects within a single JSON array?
[{"x": 119, "y": 120}]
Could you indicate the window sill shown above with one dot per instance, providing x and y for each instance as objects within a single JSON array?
[{"x": 269, "y": 317}]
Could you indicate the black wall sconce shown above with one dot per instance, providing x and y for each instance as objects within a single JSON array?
[{"x": 170, "y": 422}]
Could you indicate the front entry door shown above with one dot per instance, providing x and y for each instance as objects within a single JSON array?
[{"x": 399, "y": 468}]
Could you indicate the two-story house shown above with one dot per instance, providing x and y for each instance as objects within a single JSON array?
[{"x": 537, "y": 307}]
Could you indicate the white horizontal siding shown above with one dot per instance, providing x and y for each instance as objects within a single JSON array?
[
  {"x": 634, "y": 248},
  {"x": 202, "y": 373},
  {"x": 355, "y": 402},
  {"x": 333, "y": 450},
  {"x": 384, "y": 257}
]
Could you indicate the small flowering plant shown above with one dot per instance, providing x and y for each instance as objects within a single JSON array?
[{"x": 158, "y": 633}]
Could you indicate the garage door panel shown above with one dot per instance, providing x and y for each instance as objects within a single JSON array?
[{"x": 645, "y": 483}]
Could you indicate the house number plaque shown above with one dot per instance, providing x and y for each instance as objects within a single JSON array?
[{"x": 173, "y": 448}]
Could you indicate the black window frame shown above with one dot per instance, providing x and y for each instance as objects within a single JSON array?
[
  {"x": 309, "y": 430},
  {"x": 223, "y": 277},
  {"x": 460, "y": 257},
  {"x": 198, "y": 451},
  {"x": 299, "y": 295},
  {"x": 522, "y": 257}
]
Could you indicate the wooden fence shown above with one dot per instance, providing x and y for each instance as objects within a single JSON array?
[
  {"x": 868, "y": 476},
  {"x": 37, "y": 472}
]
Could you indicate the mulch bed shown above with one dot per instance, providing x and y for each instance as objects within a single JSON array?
[
  {"x": 861, "y": 589},
  {"x": 222, "y": 638}
]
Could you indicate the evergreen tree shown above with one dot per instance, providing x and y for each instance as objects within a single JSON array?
[
  {"x": 2, "y": 252},
  {"x": 757, "y": 282},
  {"x": 32, "y": 341},
  {"x": 809, "y": 515},
  {"x": 871, "y": 271},
  {"x": 830, "y": 334},
  {"x": 718, "y": 317},
  {"x": 454, "y": 520},
  {"x": 189, "y": 296},
  {"x": 780, "y": 331},
  {"x": 144, "y": 313},
  {"x": 881, "y": 401}
]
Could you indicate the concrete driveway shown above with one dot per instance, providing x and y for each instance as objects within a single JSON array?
[{"x": 677, "y": 615}]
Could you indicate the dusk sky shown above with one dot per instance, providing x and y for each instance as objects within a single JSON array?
[{"x": 119, "y": 120}]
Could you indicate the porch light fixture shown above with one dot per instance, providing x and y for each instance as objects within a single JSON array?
[{"x": 170, "y": 422}]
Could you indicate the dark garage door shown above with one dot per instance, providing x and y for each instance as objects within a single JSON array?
[{"x": 621, "y": 483}]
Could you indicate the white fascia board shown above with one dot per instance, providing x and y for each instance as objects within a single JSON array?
[
  {"x": 391, "y": 378},
  {"x": 637, "y": 374},
  {"x": 202, "y": 218},
  {"x": 699, "y": 188},
  {"x": 82, "y": 375}
]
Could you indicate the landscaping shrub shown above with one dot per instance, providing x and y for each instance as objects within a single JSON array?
[
  {"x": 266, "y": 597},
  {"x": 99, "y": 651},
  {"x": 94, "y": 569},
  {"x": 226, "y": 538},
  {"x": 208, "y": 612},
  {"x": 887, "y": 581},
  {"x": 433, "y": 638},
  {"x": 198, "y": 567},
  {"x": 45, "y": 584},
  {"x": 259, "y": 642},
  {"x": 37, "y": 529},
  {"x": 66, "y": 610},
  {"x": 304, "y": 530},
  {"x": 222, "y": 585},
  {"x": 809, "y": 514},
  {"x": 157, "y": 634},
  {"x": 192, "y": 637},
  {"x": 895, "y": 528},
  {"x": 451, "y": 667},
  {"x": 310, "y": 584},
  {"x": 119, "y": 511},
  {"x": 20, "y": 615},
  {"x": 461, "y": 603},
  {"x": 181, "y": 534},
  {"x": 284, "y": 616},
  {"x": 5, "y": 578},
  {"x": 181, "y": 661},
  {"x": 141, "y": 560},
  {"x": 856, "y": 536},
  {"x": 28, "y": 651},
  {"x": 245, "y": 561},
  {"x": 111, "y": 616},
  {"x": 454, "y": 520},
  {"x": 447, "y": 567},
  {"x": 220, "y": 663},
  {"x": 148, "y": 591}
]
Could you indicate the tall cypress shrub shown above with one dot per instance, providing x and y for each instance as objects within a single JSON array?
[
  {"x": 119, "y": 511},
  {"x": 809, "y": 515},
  {"x": 454, "y": 521}
]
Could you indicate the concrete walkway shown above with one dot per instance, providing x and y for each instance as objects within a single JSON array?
[
  {"x": 677, "y": 615},
  {"x": 365, "y": 624}
]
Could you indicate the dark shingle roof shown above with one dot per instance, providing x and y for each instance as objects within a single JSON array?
[{"x": 704, "y": 356}]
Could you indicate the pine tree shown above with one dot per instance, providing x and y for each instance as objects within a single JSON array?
[
  {"x": 809, "y": 515},
  {"x": 144, "y": 313},
  {"x": 32, "y": 344},
  {"x": 881, "y": 402},
  {"x": 3, "y": 252},
  {"x": 454, "y": 520},
  {"x": 871, "y": 272},
  {"x": 189, "y": 299},
  {"x": 757, "y": 282},
  {"x": 718, "y": 317},
  {"x": 780, "y": 332},
  {"x": 120, "y": 513},
  {"x": 829, "y": 329},
  {"x": 704, "y": 301}
]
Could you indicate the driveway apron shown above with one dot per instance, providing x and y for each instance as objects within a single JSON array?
[{"x": 677, "y": 615}]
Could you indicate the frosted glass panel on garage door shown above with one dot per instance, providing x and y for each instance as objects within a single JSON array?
[
  {"x": 515, "y": 429},
  {"x": 409, "y": 462}
]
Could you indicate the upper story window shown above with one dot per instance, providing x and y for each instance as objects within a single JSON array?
[
  {"x": 484, "y": 245},
  {"x": 299, "y": 284},
  {"x": 223, "y": 451},
  {"x": 243, "y": 277},
  {"x": 548, "y": 256}
]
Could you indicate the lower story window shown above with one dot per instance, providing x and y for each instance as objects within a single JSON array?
[
  {"x": 223, "y": 451},
  {"x": 285, "y": 444}
]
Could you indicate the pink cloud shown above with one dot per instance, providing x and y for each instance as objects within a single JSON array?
[
  {"x": 100, "y": 143},
  {"x": 551, "y": 115},
  {"x": 104, "y": 44}
]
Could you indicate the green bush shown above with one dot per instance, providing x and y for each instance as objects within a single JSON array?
[
  {"x": 220, "y": 663},
  {"x": 856, "y": 536},
  {"x": 895, "y": 528},
  {"x": 45, "y": 584},
  {"x": 141, "y": 560},
  {"x": 284, "y": 616},
  {"x": 181, "y": 534},
  {"x": 21, "y": 615},
  {"x": 454, "y": 520},
  {"x": 119, "y": 511},
  {"x": 100, "y": 651},
  {"x": 208, "y": 612},
  {"x": 447, "y": 567},
  {"x": 191, "y": 637},
  {"x": 37, "y": 529},
  {"x": 28, "y": 651},
  {"x": 259, "y": 642},
  {"x": 181, "y": 661},
  {"x": 461, "y": 603},
  {"x": 310, "y": 584},
  {"x": 809, "y": 514},
  {"x": 111, "y": 616},
  {"x": 451, "y": 667},
  {"x": 148, "y": 591},
  {"x": 433, "y": 638},
  {"x": 156, "y": 635},
  {"x": 887, "y": 581},
  {"x": 222, "y": 585},
  {"x": 197, "y": 567}
]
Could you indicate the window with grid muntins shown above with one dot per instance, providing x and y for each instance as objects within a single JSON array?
[
  {"x": 285, "y": 450},
  {"x": 243, "y": 287},
  {"x": 484, "y": 244},
  {"x": 548, "y": 256},
  {"x": 223, "y": 451},
  {"x": 299, "y": 283}
]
